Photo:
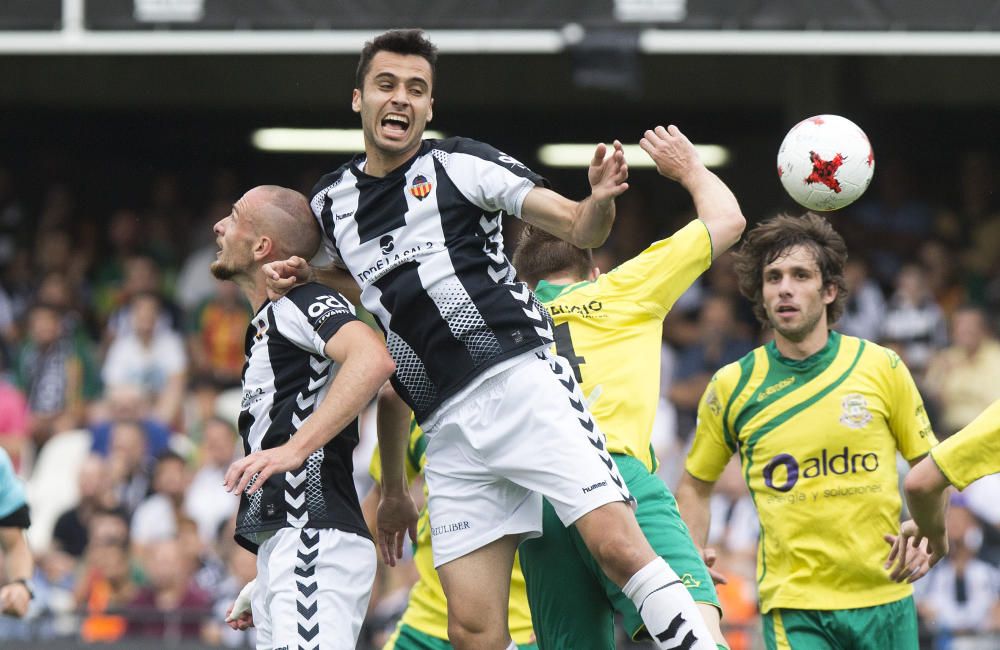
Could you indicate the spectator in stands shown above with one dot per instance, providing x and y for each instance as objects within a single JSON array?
[
  {"x": 914, "y": 324},
  {"x": 207, "y": 502},
  {"x": 959, "y": 594},
  {"x": 965, "y": 378},
  {"x": 104, "y": 591},
  {"x": 865, "y": 307},
  {"x": 130, "y": 403},
  {"x": 127, "y": 464},
  {"x": 215, "y": 338},
  {"x": 15, "y": 428},
  {"x": 96, "y": 495},
  {"x": 142, "y": 276},
  {"x": 718, "y": 344},
  {"x": 150, "y": 357},
  {"x": 50, "y": 373},
  {"x": 171, "y": 608},
  {"x": 156, "y": 517}
]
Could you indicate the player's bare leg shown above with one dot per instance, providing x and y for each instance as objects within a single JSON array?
[
  {"x": 477, "y": 586},
  {"x": 614, "y": 538}
]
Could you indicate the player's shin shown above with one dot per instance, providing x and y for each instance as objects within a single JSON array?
[{"x": 670, "y": 614}]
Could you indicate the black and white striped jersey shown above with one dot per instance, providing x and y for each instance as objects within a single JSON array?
[
  {"x": 287, "y": 374},
  {"x": 424, "y": 243}
]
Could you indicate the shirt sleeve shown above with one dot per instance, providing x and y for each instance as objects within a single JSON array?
[
  {"x": 712, "y": 446},
  {"x": 908, "y": 419},
  {"x": 310, "y": 315},
  {"x": 973, "y": 452},
  {"x": 656, "y": 277},
  {"x": 489, "y": 178},
  {"x": 11, "y": 491}
]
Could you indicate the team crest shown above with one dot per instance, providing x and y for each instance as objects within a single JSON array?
[
  {"x": 855, "y": 411},
  {"x": 712, "y": 401},
  {"x": 261, "y": 328},
  {"x": 420, "y": 187}
]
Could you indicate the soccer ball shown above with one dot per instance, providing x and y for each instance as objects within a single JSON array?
[{"x": 825, "y": 162}]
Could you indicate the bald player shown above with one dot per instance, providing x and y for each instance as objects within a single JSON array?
[{"x": 311, "y": 367}]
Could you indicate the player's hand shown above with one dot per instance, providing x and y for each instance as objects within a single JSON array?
[
  {"x": 397, "y": 516},
  {"x": 14, "y": 599},
  {"x": 242, "y": 622},
  {"x": 710, "y": 556},
  {"x": 674, "y": 155},
  {"x": 282, "y": 275},
  {"x": 608, "y": 173},
  {"x": 913, "y": 553},
  {"x": 260, "y": 466},
  {"x": 239, "y": 616}
]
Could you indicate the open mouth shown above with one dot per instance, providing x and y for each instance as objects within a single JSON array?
[
  {"x": 787, "y": 309},
  {"x": 396, "y": 124}
]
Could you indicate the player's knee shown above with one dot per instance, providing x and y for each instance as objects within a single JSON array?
[{"x": 474, "y": 633}]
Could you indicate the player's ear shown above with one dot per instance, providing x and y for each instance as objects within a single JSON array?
[
  {"x": 829, "y": 293},
  {"x": 356, "y": 100},
  {"x": 430, "y": 111},
  {"x": 595, "y": 272},
  {"x": 263, "y": 248}
]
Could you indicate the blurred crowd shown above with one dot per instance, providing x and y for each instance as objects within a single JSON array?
[{"x": 121, "y": 359}]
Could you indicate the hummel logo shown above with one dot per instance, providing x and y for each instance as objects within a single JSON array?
[
  {"x": 595, "y": 486},
  {"x": 343, "y": 215}
]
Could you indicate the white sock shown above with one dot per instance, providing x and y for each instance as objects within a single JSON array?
[{"x": 667, "y": 609}]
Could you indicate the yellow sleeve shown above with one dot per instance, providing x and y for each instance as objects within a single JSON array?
[
  {"x": 656, "y": 277},
  {"x": 414, "y": 456},
  {"x": 908, "y": 419},
  {"x": 973, "y": 452},
  {"x": 713, "y": 444}
]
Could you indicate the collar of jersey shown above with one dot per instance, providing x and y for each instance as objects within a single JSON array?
[
  {"x": 425, "y": 145},
  {"x": 548, "y": 292},
  {"x": 824, "y": 356}
]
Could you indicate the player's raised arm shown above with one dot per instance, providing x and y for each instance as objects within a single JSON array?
[
  {"x": 282, "y": 275},
  {"x": 677, "y": 159},
  {"x": 586, "y": 223}
]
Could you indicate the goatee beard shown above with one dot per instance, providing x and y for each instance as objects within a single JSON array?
[{"x": 221, "y": 271}]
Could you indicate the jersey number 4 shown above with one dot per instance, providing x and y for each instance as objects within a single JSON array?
[{"x": 564, "y": 348}]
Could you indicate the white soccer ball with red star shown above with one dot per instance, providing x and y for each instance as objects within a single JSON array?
[{"x": 825, "y": 162}]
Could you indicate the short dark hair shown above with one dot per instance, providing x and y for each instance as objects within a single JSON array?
[
  {"x": 770, "y": 239},
  {"x": 540, "y": 254},
  {"x": 398, "y": 41}
]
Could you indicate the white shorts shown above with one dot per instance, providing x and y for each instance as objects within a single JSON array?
[
  {"x": 312, "y": 590},
  {"x": 495, "y": 449}
]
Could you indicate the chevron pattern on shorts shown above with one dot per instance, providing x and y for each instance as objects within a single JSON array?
[
  {"x": 594, "y": 434},
  {"x": 307, "y": 601}
]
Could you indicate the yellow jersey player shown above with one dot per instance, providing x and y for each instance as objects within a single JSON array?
[
  {"x": 609, "y": 329},
  {"x": 424, "y": 624},
  {"x": 970, "y": 454},
  {"x": 816, "y": 418}
]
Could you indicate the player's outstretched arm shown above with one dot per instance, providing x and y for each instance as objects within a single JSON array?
[
  {"x": 365, "y": 365},
  {"x": 397, "y": 515},
  {"x": 587, "y": 223},
  {"x": 15, "y": 596},
  {"x": 677, "y": 159}
]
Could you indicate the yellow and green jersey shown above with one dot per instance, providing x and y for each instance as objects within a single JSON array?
[
  {"x": 427, "y": 609},
  {"x": 817, "y": 440},
  {"x": 973, "y": 452},
  {"x": 610, "y": 330}
]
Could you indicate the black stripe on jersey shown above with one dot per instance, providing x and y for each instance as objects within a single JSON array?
[
  {"x": 381, "y": 204},
  {"x": 401, "y": 289},
  {"x": 501, "y": 313},
  {"x": 327, "y": 180},
  {"x": 326, "y": 219}
]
